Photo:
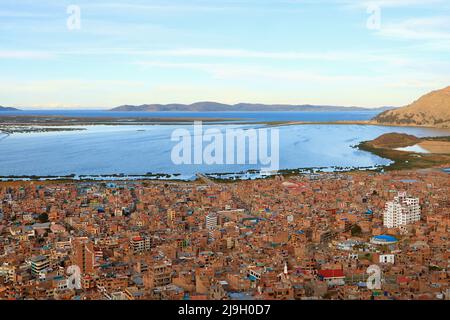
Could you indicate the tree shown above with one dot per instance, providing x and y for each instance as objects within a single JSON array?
[
  {"x": 356, "y": 230},
  {"x": 43, "y": 217}
]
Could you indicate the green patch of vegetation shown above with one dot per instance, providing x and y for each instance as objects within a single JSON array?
[
  {"x": 434, "y": 268},
  {"x": 356, "y": 230},
  {"x": 43, "y": 217}
]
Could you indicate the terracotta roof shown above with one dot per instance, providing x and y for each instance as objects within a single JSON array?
[
  {"x": 402, "y": 279},
  {"x": 330, "y": 273}
]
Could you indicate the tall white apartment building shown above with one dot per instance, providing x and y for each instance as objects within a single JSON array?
[
  {"x": 401, "y": 211},
  {"x": 211, "y": 221}
]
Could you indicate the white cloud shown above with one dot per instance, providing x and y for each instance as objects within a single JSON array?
[
  {"x": 73, "y": 93},
  {"x": 287, "y": 78},
  {"x": 157, "y": 7},
  {"x": 388, "y": 3},
  {"x": 252, "y": 72},
  {"x": 430, "y": 28},
  {"x": 329, "y": 56},
  {"x": 21, "y": 14},
  {"x": 12, "y": 54}
]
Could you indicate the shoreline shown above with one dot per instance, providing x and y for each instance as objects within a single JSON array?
[
  {"x": 48, "y": 121},
  {"x": 365, "y": 123},
  {"x": 218, "y": 177},
  {"x": 200, "y": 178}
]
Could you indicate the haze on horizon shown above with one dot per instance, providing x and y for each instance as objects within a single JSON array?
[{"x": 257, "y": 51}]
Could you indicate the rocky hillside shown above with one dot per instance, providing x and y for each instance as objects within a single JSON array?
[{"x": 432, "y": 109}]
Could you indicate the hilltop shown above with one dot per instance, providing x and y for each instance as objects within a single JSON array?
[
  {"x": 8, "y": 109},
  {"x": 249, "y": 107},
  {"x": 394, "y": 140},
  {"x": 432, "y": 109}
]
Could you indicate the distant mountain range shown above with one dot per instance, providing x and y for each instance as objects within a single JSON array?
[
  {"x": 8, "y": 109},
  {"x": 432, "y": 109},
  {"x": 249, "y": 107}
]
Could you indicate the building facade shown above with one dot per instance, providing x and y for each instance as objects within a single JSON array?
[
  {"x": 403, "y": 210},
  {"x": 83, "y": 255}
]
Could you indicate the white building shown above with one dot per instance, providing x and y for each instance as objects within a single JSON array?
[
  {"x": 9, "y": 272},
  {"x": 211, "y": 221},
  {"x": 387, "y": 258},
  {"x": 402, "y": 210},
  {"x": 141, "y": 244}
]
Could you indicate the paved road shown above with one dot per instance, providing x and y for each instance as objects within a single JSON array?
[{"x": 206, "y": 179}]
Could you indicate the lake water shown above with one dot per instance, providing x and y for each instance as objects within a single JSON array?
[
  {"x": 138, "y": 150},
  {"x": 248, "y": 116},
  {"x": 415, "y": 148}
]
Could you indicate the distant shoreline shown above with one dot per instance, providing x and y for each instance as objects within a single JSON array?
[
  {"x": 210, "y": 106},
  {"x": 18, "y": 124}
]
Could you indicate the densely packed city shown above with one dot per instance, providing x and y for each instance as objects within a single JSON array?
[{"x": 310, "y": 236}]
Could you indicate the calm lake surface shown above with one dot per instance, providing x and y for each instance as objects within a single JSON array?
[
  {"x": 138, "y": 150},
  {"x": 248, "y": 116}
]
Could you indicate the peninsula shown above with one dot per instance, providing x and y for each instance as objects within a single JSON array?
[{"x": 428, "y": 152}]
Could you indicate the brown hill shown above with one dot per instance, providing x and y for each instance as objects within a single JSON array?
[
  {"x": 432, "y": 109},
  {"x": 394, "y": 140}
]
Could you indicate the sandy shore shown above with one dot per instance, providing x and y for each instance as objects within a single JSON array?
[{"x": 436, "y": 146}]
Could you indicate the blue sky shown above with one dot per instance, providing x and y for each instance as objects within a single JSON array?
[{"x": 183, "y": 51}]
